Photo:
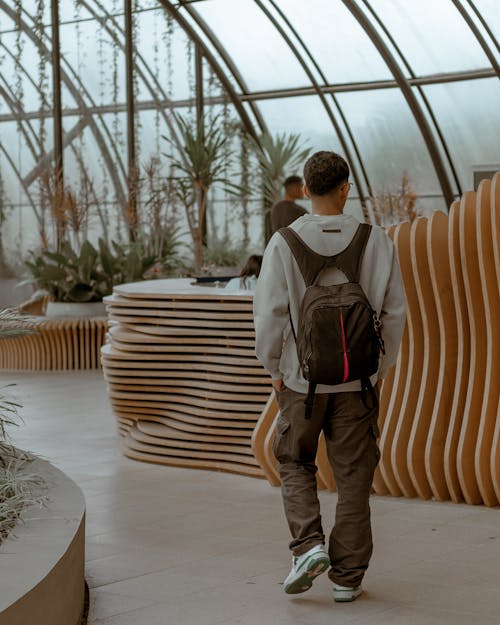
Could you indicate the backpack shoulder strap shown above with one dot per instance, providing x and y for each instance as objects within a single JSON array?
[
  {"x": 349, "y": 260},
  {"x": 310, "y": 263}
]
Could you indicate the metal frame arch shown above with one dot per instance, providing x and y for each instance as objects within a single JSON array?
[
  {"x": 334, "y": 99},
  {"x": 409, "y": 96},
  {"x": 484, "y": 23},
  {"x": 18, "y": 175},
  {"x": 158, "y": 89},
  {"x": 227, "y": 60},
  {"x": 317, "y": 88},
  {"x": 180, "y": 19},
  {"x": 477, "y": 34},
  {"x": 421, "y": 92},
  {"x": 22, "y": 25},
  {"x": 23, "y": 121}
]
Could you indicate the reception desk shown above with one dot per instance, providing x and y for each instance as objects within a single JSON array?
[{"x": 183, "y": 379}]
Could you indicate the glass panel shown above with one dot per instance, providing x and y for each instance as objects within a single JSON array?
[
  {"x": 259, "y": 52},
  {"x": 490, "y": 10},
  {"x": 167, "y": 53},
  {"x": 469, "y": 117},
  {"x": 432, "y": 35},
  {"x": 347, "y": 55},
  {"x": 389, "y": 141},
  {"x": 305, "y": 116}
]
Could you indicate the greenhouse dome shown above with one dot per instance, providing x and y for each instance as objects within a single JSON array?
[
  {"x": 259, "y": 240},
  {"x": 399, "y": 88}
]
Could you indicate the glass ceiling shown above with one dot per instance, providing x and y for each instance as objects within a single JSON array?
[{"x": 395, "y": 85}]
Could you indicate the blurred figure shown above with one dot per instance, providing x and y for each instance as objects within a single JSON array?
[
  {"x": 248, "y": 275},
  {"x": 284, "y": 212}
]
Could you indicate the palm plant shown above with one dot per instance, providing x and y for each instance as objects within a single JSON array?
[
  {"x": 202, "y": 162},
  {"x": 277, "y": 158}
]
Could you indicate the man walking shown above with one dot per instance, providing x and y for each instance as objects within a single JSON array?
[{"x": 346, "y": 412}]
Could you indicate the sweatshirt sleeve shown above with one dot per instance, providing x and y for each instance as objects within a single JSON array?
[
  {"x": 392, "y": 316},
  {"x": 271, "y": 309}
]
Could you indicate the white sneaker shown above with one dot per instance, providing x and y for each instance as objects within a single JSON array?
[
  {"x": 344, "y": 593},
  {"x": 305, "y": 568}
]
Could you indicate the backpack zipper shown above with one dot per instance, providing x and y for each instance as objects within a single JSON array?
[{"x": 344, "y": 347}]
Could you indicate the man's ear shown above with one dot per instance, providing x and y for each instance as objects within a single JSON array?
[{"x": 306, "y": 192}]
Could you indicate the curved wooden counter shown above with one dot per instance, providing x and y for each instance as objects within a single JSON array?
[{"x": 183, "y": 378}]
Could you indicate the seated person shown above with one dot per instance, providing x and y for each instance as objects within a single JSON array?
[
  {"x": 284, "y": 212},
  {"x": 248, "y": 275}
]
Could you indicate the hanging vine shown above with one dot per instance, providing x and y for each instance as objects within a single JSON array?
[
  {"x": 19, "y": 95},
  {"x": 156, "y": 71},
  {"x": 44, "y": 106},
  {"x": 191, "y": 80}
]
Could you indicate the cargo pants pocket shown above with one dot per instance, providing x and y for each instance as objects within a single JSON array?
[{"x": 280, "y": 446}]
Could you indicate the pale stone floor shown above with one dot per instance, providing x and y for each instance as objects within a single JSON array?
[{"x": 167, "y": 546}]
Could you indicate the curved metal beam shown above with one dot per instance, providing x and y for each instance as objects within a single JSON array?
[
  {"x": 21, "y": 118},
  {"x": 335, "y": 101},
  {"x": 221, "y": 51},
  {"x": 477, "y": 34},
  {"x": 422, "y": 95},
  {"x": 317, "y": 88},
  {"x": 409, "y": 96},
  {"x": 77, "y": 94},
  {"x": 184, "y": 24},
  {"x": 485, "y": 24},
  {"x": 152, "y": 83}
]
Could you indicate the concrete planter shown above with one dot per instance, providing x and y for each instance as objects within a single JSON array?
[
  {"x": 42, "y": 560},
  {"x": 75, "y": 309}
]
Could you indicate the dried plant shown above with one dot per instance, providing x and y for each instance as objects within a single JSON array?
[
  {"x": 388, "y": 207},
  {"x": 18, "y": 488}
]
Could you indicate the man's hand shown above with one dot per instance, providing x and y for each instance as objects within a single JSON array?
[{"x": 278, "y": 385}]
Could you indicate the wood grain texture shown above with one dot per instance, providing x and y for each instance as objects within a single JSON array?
[
  {"x": 412, "y": 367},
  {"x": 430, "y": 347},
  {"x": 489, "y": 283},
  {"x": 438, "y": 253},
  {"x": 58, "y": 345},
  {"x": 183, "y": 379},
  {"x": 468, "y": 236}
]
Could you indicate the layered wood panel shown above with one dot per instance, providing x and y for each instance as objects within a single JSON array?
[
  {"x": 183, "y": 379},
  {"x": 58, "y": 344},
  {"x": 439, "y": 408}
]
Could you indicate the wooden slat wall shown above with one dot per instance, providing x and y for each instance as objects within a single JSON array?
[
  {"x": 59, "y": 344},
  {"x": 440, "y": 411}
]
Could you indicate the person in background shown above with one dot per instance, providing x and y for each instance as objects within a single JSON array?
[
  {"x": 284, "y": 212},
  {"x": 248, "y": 275}
]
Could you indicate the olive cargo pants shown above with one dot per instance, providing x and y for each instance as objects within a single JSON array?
[{"x": 349, "y": 423}]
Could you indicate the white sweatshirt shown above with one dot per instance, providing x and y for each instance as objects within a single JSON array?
[{"x": 280, "y": 285}]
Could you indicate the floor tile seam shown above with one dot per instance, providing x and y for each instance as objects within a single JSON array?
[{"x": 151, "y": 604}]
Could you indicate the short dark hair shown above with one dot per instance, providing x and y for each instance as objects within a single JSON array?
[
  {"x": 291, "y": 181},
  {"x": 324, "y": 172}
]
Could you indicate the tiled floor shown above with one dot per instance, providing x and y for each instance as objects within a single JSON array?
[{"x": 167, "y": 546}]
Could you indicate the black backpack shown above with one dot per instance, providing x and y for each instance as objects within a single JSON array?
[{"x": 338, "y": 337}]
